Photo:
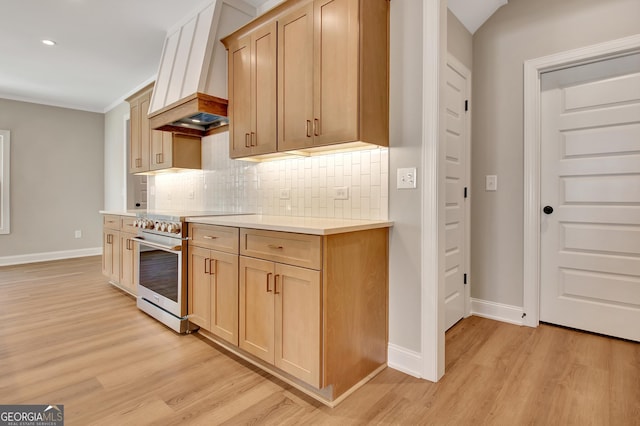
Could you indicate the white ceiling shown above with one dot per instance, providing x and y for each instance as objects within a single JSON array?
[{"x": 105, "y": 49}]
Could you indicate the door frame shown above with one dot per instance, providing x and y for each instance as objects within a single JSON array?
[
  {"x": 532, "y": 161},
  {"x": 461, "y": 69}
]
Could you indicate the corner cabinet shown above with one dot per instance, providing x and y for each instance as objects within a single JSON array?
[
  {"x": 310, "y": 309},
  {"x": 151, "y": 150},
  {"x": 332, "y": 76}
]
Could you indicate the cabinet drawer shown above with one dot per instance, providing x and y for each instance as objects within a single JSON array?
[
  {"x": 111, "y": 221},
  {"x": 127, "y": 225},
  {"x": 214, "y": 237},
  {"x": 284, "y": 247}
]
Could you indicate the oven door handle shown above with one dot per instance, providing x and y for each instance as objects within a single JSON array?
[{"x": 156, "y": 245}]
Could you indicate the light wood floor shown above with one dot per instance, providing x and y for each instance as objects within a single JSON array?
[{"x": 67, "y": 337}]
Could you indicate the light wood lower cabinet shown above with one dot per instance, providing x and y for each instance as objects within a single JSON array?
[
  {"x": 280, "y": 316},
  {"x": 310, "y": 309},
  {"x": 213, "y": 292},
  {"x": 111, "y": 254},
  {"x": 213, "y": 280},
  {"x": 118, "y": 252}
]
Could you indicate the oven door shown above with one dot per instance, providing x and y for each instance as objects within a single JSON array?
[{"x": 161, "y": 275}]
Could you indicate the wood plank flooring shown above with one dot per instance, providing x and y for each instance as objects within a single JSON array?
[{"x": 68, "y": 337}]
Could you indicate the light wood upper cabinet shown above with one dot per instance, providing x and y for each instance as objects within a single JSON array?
[
  {"x": 152, "y": 150},
  {"x": 295, "y": 79},
  {"x": 318, "y": 79},
  {"x": 139, "y": 131},
  {"x": 332, "y": 76},
  {"x": 252, "y": 92}
]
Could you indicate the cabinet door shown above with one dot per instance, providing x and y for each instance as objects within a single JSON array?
[
  {"x": 145, "y": 130},
  {"x": 297, "y": 322},
  {"x": 139, "y": 138},
  {"x": 336, "y": 62},
  {"x": 295, "y": 79},
  {"x": 161, "y": 150},
  {"x": 239, "y": 107},
  {"x": 199, "y": 287},
  {"x": 127, "y": 262},
  {"x": 263, "y": 89},
  {"x": 224, "y": 295},
  {"x": 257, "y": 307},
  {"x": 111, "y": 255},
  {"x": 135, "y": 147}
]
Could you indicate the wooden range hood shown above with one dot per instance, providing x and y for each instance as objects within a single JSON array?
[
  {"x": 198, "y": 114},
  {"x": 189, "y": 96}
]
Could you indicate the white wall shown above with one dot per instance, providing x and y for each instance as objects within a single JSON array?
[
  {"x": 405, "y": 132},
  {"x": 115, "y": 161},
  {"x": 521, "y": 30},
  {"x": 459, "y": 41},
  {"x": 57, "y": 179}
]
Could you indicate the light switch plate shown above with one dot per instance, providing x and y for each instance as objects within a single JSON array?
[
  {"x": 406, "y": 178},
  {"x": 491, "y": 183}
]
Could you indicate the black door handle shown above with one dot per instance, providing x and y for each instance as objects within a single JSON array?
[{"x": 547, "y": 209}]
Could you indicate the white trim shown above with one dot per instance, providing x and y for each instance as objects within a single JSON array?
[
  {"x": 432, "y": 192},
  {"x": 126, "y": 175},
  {"x": 532, "y": 70},
  {"x": 461, "y": 69},
  {"x": 122, "y": 99},
  {"x": 5, "y": 181},
  {"x": 497, "y": 311},
  {"x": 405, "y": 360},
  {"x": 52, "y": 255}
]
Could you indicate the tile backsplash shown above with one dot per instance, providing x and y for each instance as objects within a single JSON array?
[{"x": 292, "y": 187}]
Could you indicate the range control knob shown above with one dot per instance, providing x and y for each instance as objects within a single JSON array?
[{"x": 174, "y": 228}]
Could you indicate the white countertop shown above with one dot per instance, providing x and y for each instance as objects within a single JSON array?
[
  {"x": 121, "y": 212},
  {"x": 300, "y": 225}
]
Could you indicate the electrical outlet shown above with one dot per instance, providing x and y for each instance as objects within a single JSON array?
[
  {"x": 341, "y": 192},
  {"x": 285, "y": 194},
  {"x": 406, "y": 178},
  {"x": 78, "y": 233},
  {"x": 491, "y": 183}
]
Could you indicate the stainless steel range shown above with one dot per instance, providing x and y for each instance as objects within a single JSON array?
[{"x": 161, "y": 260}]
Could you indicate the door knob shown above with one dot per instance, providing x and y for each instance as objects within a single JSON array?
[{"x": 547, "y": 209}]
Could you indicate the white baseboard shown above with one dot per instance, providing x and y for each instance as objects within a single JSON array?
[
  {"x": 52, "y": 255},
  {"x": 497, "y": 311},
  {"x": 405, "y": 360}
]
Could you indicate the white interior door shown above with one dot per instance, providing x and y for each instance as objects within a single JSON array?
[
  {"x": 457, "y": 147},
  {"x": 590, "y": 177}
]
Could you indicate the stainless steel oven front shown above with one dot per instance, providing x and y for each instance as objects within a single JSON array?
[{"x": 162, "y": 278}]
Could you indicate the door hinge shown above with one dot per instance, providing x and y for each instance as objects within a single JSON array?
[
  {"x": 465, "y": 278},
  {"x": 466, "y": 105},
  {"x": 465, "y": 192}
]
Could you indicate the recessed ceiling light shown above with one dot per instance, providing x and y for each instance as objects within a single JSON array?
[{"x": 49, "y": 42}]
